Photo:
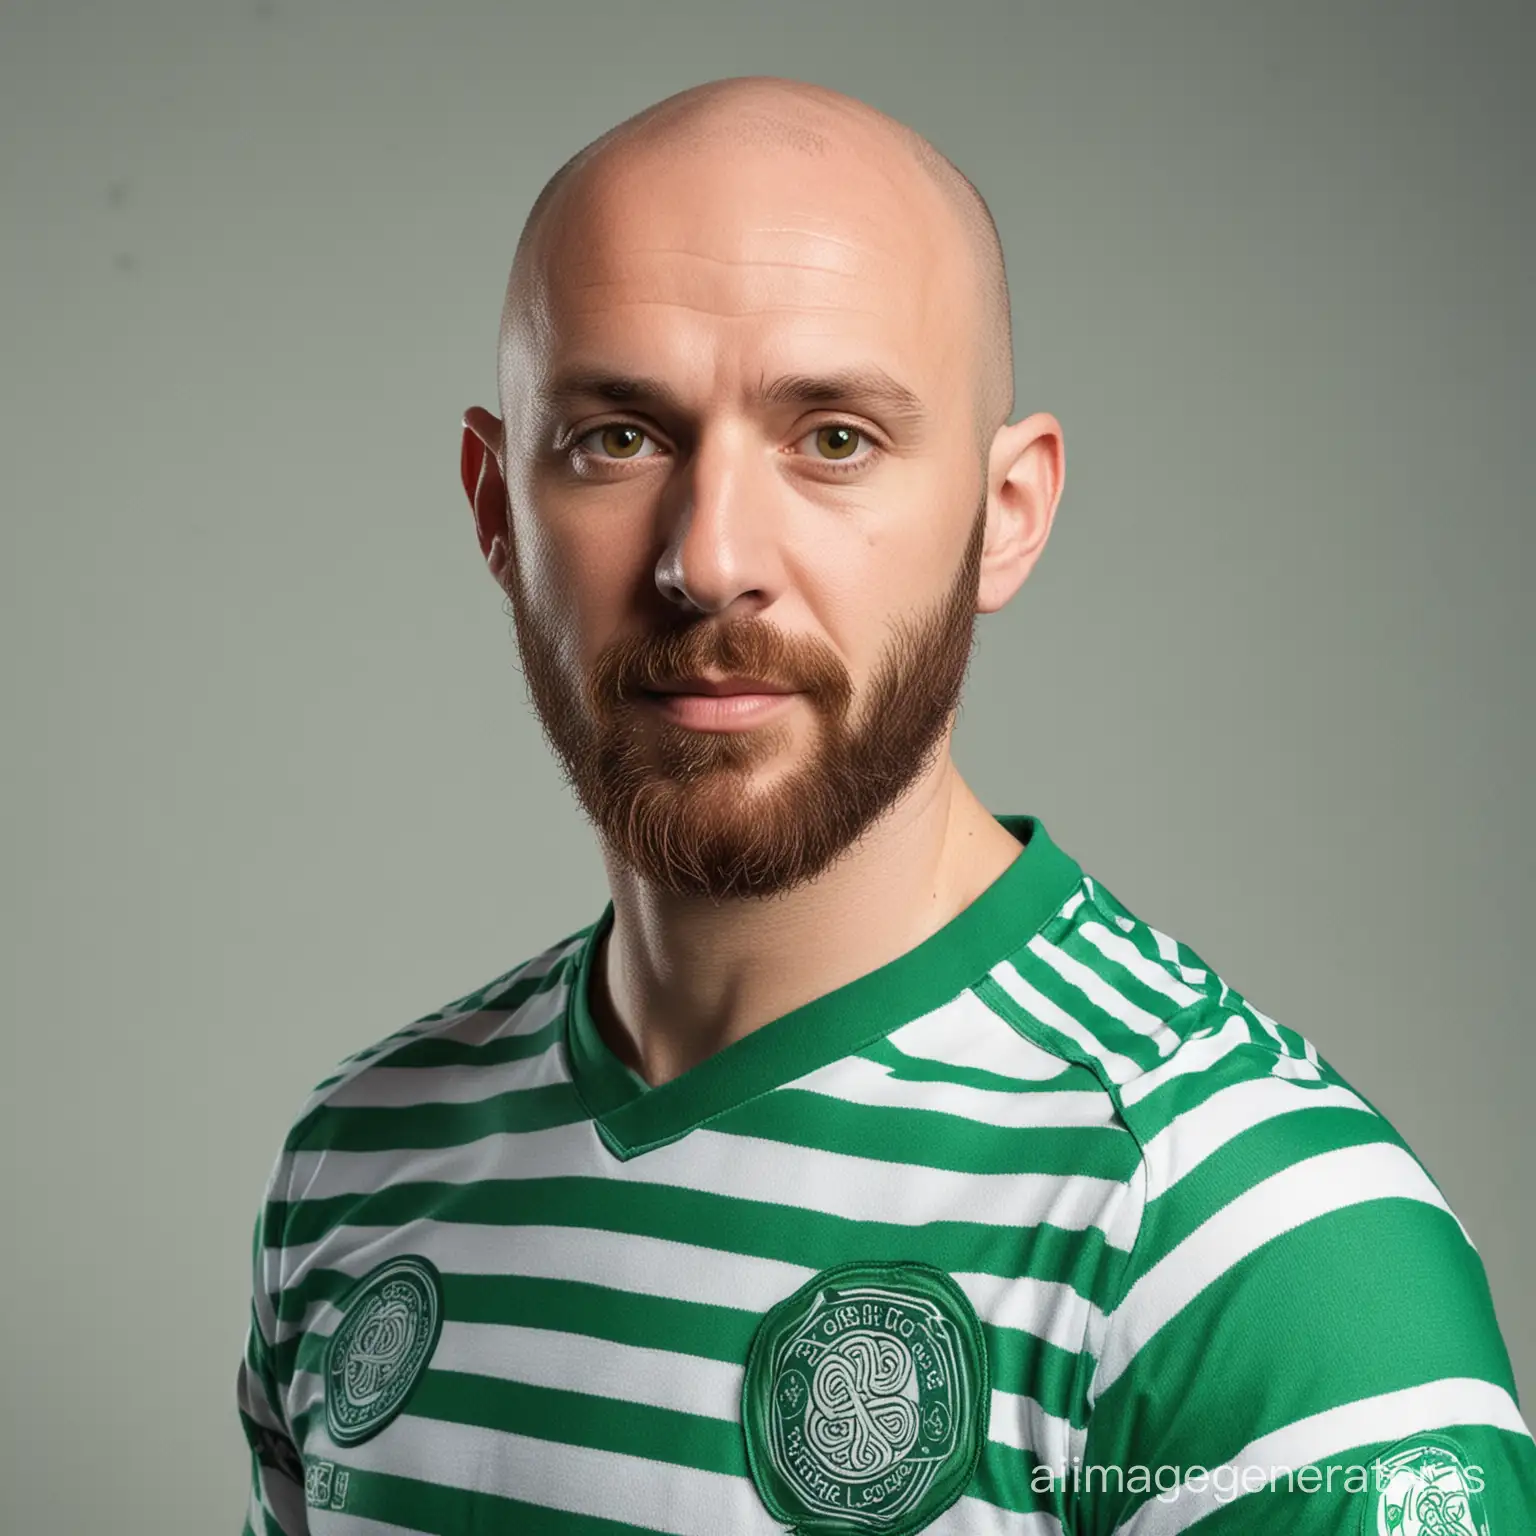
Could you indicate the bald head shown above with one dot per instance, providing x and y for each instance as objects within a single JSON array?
[{"x": 794, "y": 118}]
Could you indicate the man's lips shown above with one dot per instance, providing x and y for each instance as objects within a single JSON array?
[
  {"x": 721, "y": 709},
  {"x": 720, "y": 687}
]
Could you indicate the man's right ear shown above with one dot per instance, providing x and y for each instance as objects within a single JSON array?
[{"x": 480, "y": 470}]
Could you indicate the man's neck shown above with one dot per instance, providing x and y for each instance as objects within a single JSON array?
[{"x": 674, "y": 981}]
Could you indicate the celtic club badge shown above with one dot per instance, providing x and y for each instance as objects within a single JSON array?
[
  {"x": 1424, "y": 1487},
  {"x": 865, "y": 1400},
  {"x": 390, "y": 1322}
]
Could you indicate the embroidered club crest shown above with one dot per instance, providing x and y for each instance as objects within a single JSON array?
[
  {"x": 865, "y": 1400},
  {"x": 389, "y": 1327},
  {"x": 1424, "y": 1487}
]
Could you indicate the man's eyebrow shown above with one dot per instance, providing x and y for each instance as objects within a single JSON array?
[{"x": 862, "y": 385}]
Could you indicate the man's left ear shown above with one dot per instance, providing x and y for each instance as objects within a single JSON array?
[{"x": 1025, "y": 470}]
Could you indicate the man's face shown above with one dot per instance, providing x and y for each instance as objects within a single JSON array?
[{"x": 829, "y": 546}]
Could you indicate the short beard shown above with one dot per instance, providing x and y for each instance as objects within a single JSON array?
[{"x": 678, "y": 807}]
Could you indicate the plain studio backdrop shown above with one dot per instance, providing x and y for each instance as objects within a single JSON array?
[{"x": 271, "y": 785}]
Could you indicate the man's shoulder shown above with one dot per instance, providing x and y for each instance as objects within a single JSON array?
[
  {"x": 1181, "y": 1051},
  {"x": 509, "y": 1018}
]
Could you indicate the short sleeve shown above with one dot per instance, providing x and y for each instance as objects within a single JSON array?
[
  {"x": 275, "y": 1505},
  {"x": 1304, "y": 1340}
]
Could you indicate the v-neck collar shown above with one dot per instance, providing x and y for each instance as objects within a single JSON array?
[{"x": 633, "y": 1117}]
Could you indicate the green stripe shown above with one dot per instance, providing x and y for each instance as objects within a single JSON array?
[
  {"x": 512, "y": 989},
  {"x": 599, "y": 1312},
  {"x": 371, "y": 1128},
  {"x": 932, "y": 1138},
  {"x": 1264, "y": 1150},
  {"x": 1110, "y": 973},
  {"x": 1002, "y": 1479},
  {"x": 500, "y": 1049},
  {"x": 505, "y": 996},
  {"x": 1252, "y": 1061},
  {"x": 920, "y": 1069},
  {"x": 456, "y": 1512},
  {"x": 618, "y": 1426},
  {"x": 1020, "y": 1361},
  {"x": 1141, "y": 936},
  {"x": 1374, "y": 1298},
  {"x": 1136, "y": 1048},
  {"x": 728, "y": 1224}
]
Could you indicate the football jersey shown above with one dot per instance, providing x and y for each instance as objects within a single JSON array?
[{"x": 1039, "y": 1228}]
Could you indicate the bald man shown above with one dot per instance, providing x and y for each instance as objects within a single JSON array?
[{"x": 866, "y": 1166}]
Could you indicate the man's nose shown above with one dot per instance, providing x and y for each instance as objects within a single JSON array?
[{"x": 723, "y": 522}]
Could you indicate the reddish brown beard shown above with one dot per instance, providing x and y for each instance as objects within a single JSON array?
[{"x": 678, "y": 805}]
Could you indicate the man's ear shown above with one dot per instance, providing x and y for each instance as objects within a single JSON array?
[
  {"x": 480, "y": 470},
  {"x": 1027, "y": 467}
]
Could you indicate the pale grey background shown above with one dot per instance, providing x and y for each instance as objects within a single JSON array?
[{"x": 271, "y": 788}]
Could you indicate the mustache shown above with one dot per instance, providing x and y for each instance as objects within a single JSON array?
[{"x": 747, "y": 647}]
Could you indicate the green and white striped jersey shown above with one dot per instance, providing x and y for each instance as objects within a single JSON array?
[{"x": 1040, "y": 1228}]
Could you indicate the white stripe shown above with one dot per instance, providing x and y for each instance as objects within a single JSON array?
[
  {"x": 258, "y": 1508},
  {"x": 574, "y": 1362},
  {"x": 1313, "y": 1187},
  {"x": 1021, "y": 1422},
  {"x": 386, "y": 1087},
  {"x": 541, "y": 964},
  {"x": 1121, "y": 1069},
  {"x": 284, "y": 1501},
  {"x": 343, "y": 1524},
  {"x": 610, "y": 1485},
  {"x": 251, "y": 1396},
  {"x": 1015, "y": 1421},
  {"x": 857, "y": 1080},
  {"x": 659, "y": 1378},
  {"x": 1297, "y": 1067},
  {"x": 969, "y": 1516},
  {"x": 589, "y": 1481},
  {"x": 480, "y": 1026},
  {"x": 1124, "y": 1227},
  {"x": 1195, "y": 1135},
  {"x": 1197, "y": 1053},
  {"x": 1269, "y": 1025},
  {"x": 1168, "y": 948},
  {"x": 967, "y": 1033},
  {"x": 1393, "y": 1416},
  {"x": 1098, "y": 990},
  {"x": 472, "y": 1025},
  {"x": 267, "y": 1286},
  {"x": 648, "y": 1266},
  {"x": 267, "y": 1280},
  {"x": 1048, "y": 1309},
  {"x": 1122, "y": 952},
  {"x": 737, "y": 1167}
]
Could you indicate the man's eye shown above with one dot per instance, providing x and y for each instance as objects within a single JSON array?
[
  {"x": 618, "y": 440},
  {"x": 835, "y": 444}
]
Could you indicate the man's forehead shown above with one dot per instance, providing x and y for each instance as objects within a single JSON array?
[
  {"x": 795, "y": 285},
  {"x": 665, "y": 212},
  {"x": 732, "y": 230}
]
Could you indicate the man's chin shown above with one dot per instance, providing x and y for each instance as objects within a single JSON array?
[{"x": 726, "y": 834}]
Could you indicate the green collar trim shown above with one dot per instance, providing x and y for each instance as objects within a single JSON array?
[{"x": 633, "y": 1117}]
